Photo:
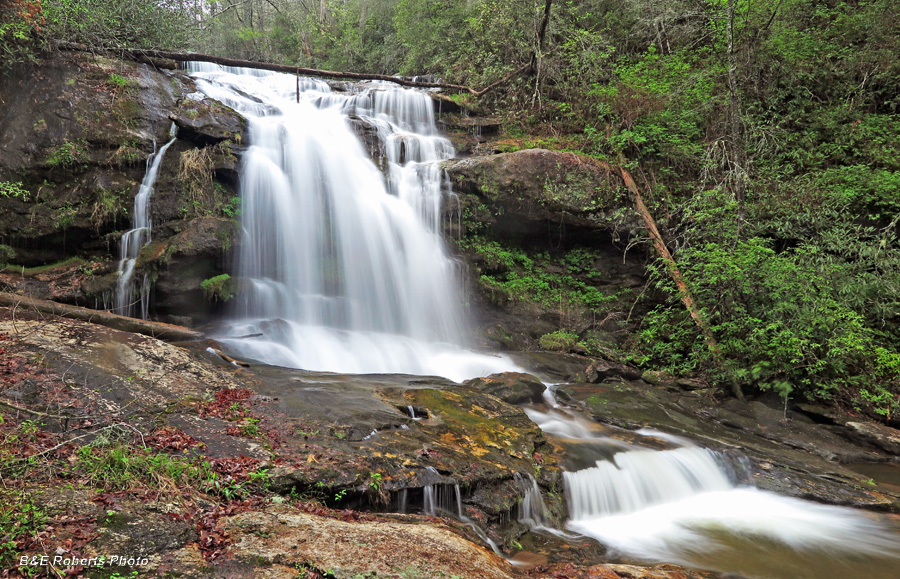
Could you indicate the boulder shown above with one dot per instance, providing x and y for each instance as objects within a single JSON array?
[
  {"x": 204, "y": 121},
  {"x": 359, "y": 548},
  {"x": 534, "y": 189},
  {"x": 603, "y": 369},
  {"x": 878, "y": 435},
  {"x": 512, "y": 387},
  {"x": 198, "y": 250}
]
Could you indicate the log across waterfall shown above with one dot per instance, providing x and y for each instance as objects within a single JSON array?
[{"x": 343, "y": 267}]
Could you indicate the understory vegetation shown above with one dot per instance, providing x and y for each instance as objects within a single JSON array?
[{"x": 763, "y": 136}]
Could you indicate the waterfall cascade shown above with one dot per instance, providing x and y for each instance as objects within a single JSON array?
[
  {"x": 342, "y": 267},
  {"x": 136, "y": 238},
  {"x": 688, "y": 505}
]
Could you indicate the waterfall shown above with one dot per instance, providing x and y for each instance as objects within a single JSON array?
[
  {"x": 136, "y": 238},
  {"x": 684, "y": 506},
  {"x": 635, "y": 480},
  {"x": 343, "y": 267}
]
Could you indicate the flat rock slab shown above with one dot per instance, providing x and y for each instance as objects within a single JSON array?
[{"x": 353, "y": 549}]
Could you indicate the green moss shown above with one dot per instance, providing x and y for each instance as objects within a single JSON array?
[
  {"x": 31, "y": 271},
  {"x": 218, "y": 288},
  {"x": 560, "y": 341}
]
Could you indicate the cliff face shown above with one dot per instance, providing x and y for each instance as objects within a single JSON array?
[{"x": 77, "y": 133}]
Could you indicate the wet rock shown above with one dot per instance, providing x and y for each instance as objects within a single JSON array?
[
  {"x": 356, "y": 548},
  {"x": 802, "y": 457},
  {"x": 180, "y": 263},
  {"x": 878, "y": 435},
  {"x": 368, "y": 134},
  {"x": 204, "y": 121},
  {"x": 658, "y": 378},
  {"x": 603, "y": 369},
  {"x": 621, "y": 571},
  {"x": 512, "y": 387},
  {"x": 555, "y": 367},
  {"x": 477, "y": 126}
]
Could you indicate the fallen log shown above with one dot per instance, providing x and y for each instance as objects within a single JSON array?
[
  {"x": 142, "y": 54},
  {"x": 167, "y": 332},
  {"x": 675, "y": 273}
]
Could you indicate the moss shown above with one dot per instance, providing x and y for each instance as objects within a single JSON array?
[
  {"x": 31, "y": 271},
  {"x": 218, "y": 288},
  {"x": 560, "y": 341}
]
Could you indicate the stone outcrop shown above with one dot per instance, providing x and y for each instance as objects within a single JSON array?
[
  {"x": 78, "y": 130},
  {"x": 534, "y": 191}
]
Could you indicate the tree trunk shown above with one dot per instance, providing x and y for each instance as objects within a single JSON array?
[
  {"x": 167, "y": 332},
  {"x": 734, "y": 119},
  {"x": 139, "y": 54},
  {"x": 675, "y": 273}
]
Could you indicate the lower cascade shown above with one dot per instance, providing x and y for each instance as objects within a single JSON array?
[
  {"x": 685, "y": 506},
  {"x": 342, "y": 266}
]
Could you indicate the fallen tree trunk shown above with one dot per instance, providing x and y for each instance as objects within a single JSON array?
[
  {"x": 675, "y": 273},
  {"x": 167, "y": 332},
  {"x": 143, "y": 54}
]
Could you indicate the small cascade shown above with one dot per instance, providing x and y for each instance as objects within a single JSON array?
[
  {"x": 344, "y": 266},
  {"x": 692, "y": 506},
  {"x": 136, "y": 238},
  {"x": 532, "y": 510},
  {"x": 635, "y": 480}
]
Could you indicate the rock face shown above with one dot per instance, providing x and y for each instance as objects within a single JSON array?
[
  {"x": 534, "y": 190},
  {"x": 78, "y": 130}
]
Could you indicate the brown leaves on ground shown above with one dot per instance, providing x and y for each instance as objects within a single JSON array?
[{"x": 172, "y": 438}]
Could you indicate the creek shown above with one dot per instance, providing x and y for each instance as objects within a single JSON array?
[{"x": 342, "y": 268}]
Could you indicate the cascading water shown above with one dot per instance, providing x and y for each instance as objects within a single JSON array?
[
  {"x": 136, "y": 238},
  {"x": 343, "y": 267},
  {"x": 687, "y": 505}
]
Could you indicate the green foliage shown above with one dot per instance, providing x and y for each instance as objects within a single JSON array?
[
  {"x": 120, "y": 23},
  {"x": 19, "y": 518},
  {"x": 513, "y": 275},
  {"x": 218, "y": 288},
  {"x": 69, "y": 154},
  {"x": 118, "y": 81},
  {"x": 560, "y": 341},
  {"x": 119, "y": 466},
  {"x": 13, "y": 190},
  {"x": 7, "y": 254},
  {"x": 20, "y": 23},
  {"x": 780, "y": 317}
]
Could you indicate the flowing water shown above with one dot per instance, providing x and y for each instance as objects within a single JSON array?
[
  {"x": 692, "y": 506},
  {"x": 136, "y": 238},
  {"x": 342, "y": 266}
]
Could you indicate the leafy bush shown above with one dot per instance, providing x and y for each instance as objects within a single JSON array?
[
  {"x": 119, "y": 23},
  {"x": 782, "y": 319}
]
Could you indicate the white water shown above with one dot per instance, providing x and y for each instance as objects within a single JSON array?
[
  {"x": 343, "y": 267},
  {"x": 682, "y": 506},
  {"x": 136, "y": 238}
]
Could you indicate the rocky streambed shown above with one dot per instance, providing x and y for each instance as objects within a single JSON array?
[{"x": 351, "y": 462}]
